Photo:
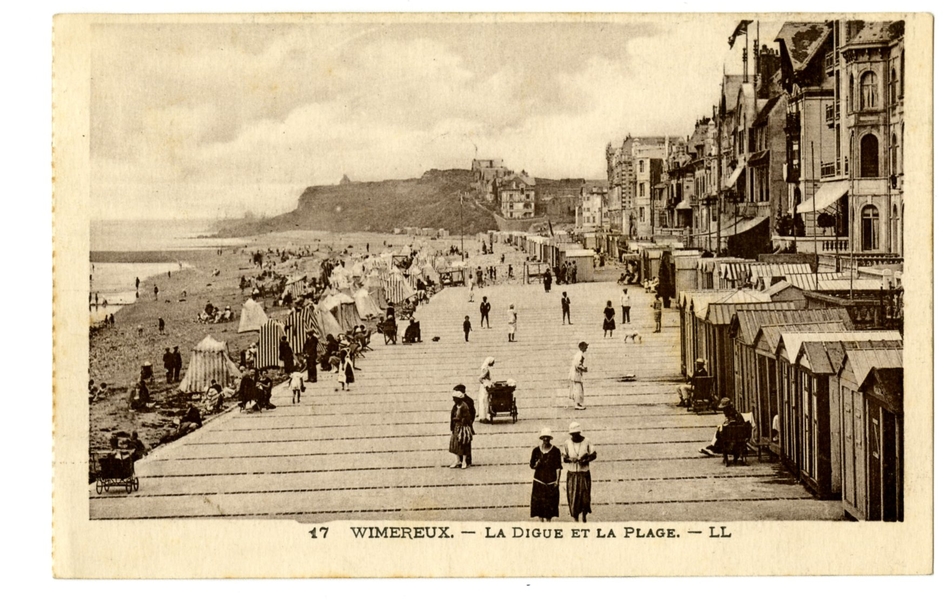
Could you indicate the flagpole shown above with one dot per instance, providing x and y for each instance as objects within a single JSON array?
[{"x": 461, "y": 226}]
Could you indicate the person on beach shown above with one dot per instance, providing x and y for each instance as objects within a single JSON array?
[
  {"x": 609, "y": 324},
  {"x": 624, "y": 307},
  {"x": 286, "y": 354},
  {"x": 176, "y": 355},
  {"x": 576, "y": 376},
  {"x": 545, "y": 490},
  {"x": 168, "y": 361},
  {"x": 685, "y": 391},
  {"x": 565, "y": 309},
  {"x": 658, "y": 313},
  {"x": 296, "y": 386},
  {"x": 161, "y": 326},
  {"x": 479, "y": 277},
  {"x": 732, "y": 417},
  {"x": 155, "y": 291},
  {"x": 471, "y": 290},
  {"x": 467, "y": 399},
  {"x": 460, "y": 424},
  {"x": 484, "y": 308},
  {"x": 512, "y": 323},
  {"x": 547, "y": 280},
  {"x": 466, "y": 327},
  {"x": 484, "y": 382},
  {"x": 311, "y": 350},
  {"x": 345, "y": 374},
  {"x": 578, "y": 454}
]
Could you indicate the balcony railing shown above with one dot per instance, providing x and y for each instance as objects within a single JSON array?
[
  {"x": 828, "y": 169},
  {"x": 822, "y": 244}
]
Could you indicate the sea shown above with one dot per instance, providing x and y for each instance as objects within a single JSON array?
[{"x": 112, "y": 284}]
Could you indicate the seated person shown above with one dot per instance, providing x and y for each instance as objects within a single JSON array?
[
  {"x": 227, "y": 315},
  {"x": 413, "y": 332},
  {"x": 190, "y": 421},
  {"x": 137, "y": 447},
  {"x": 685, "y": 391},
  {"x": 733, "y": 417}
]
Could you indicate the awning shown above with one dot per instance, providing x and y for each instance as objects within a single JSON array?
[
  {"x": 759, "y": 157},
  {"x": 734, "y": 177},
  {"x": 827, "y": 195},
  {"x": 683, "y": 205},
  {"x": 741, "y": 226}
]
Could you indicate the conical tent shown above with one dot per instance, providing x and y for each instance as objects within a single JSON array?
[
  {"x": 209, "y": 360},
  {"x": 344, "y": 309},
  {"x": 252, "y": 316},
  {"x": 323, "y": 321},
  {"x": 366, "y": 304}
]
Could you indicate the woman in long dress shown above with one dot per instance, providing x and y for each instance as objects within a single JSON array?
[
  {"x": 460, "y": 423},
  {"x": 578, "y": 453},
  {"x": 609, "y": 324},
  {"x": 484, "y": 382},
  {"x": 545, "y": 492}
]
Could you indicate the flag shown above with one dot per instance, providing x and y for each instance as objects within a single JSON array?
[{"x": 741, "y": 29}]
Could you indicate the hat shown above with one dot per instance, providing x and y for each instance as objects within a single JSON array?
[
  {"x": 725, "y": 403},
  {"x": 700, "y": 361},
  {"x": 459, "y": 388},
  {"x": 545, "y": 433},
  {"x": 457, "y": 394},
  {"x": 574, "y": 428}
]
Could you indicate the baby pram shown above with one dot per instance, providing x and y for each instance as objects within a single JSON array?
[
  {"x": 501, "y": 399},
  {"x": 114, "y": 471}
]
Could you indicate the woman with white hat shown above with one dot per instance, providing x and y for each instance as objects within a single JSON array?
[
  {"x": 545, "y": 492},
  {"x": 578, "y": 453}
]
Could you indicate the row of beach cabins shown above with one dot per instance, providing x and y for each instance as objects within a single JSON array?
[{"x": 817, "y": 361}]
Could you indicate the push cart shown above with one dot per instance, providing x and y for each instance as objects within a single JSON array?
[
  {"x": 501, "y": 399},
  {"x": 114, "y": 471}
]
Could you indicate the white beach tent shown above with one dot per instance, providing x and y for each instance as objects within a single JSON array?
[
  {"x": 366, "y": 304},
  {"x": 209, "y": 360},
  {"x": 343, "y": 308},
  {"x": 252, "y": 316}
]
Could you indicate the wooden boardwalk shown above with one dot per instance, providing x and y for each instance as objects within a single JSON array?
[{"x": 380, "y": 451}]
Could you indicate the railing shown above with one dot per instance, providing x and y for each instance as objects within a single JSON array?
[
  {"x": 828, "y": 169},
  {"x": 821, "y": 244}
]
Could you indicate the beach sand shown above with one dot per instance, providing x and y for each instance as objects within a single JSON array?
[{"x": 117, "y": 353}]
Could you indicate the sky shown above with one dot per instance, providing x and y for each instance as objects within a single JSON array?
[{"x": 214, "y": 120}]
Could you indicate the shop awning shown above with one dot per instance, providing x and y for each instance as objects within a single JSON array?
[
  {"x": 734, "y": 176},
  {"x": 683, "y": 205},
  {"x": 743, "y": 225},
  {"x": 826, "y": 196},
  {"x": 759, "y": 157}
]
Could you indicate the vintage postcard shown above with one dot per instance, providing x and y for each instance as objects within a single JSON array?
[{"x": 577, "y": 295}]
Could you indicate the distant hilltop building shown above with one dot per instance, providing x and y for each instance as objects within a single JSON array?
[
  {"x": 345, "y": 180},
  {"x": 517, "y": 195},
  {"x": 489, "y": 169}
]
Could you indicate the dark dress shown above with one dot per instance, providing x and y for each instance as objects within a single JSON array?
[
  {"x": 544, "y": 497},
  {"x": 609, "y": 324},
  {"x": 460, "y": 443}
]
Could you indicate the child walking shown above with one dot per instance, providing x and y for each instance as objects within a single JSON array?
[
  {"x": 296, "y": 386},
  {"x": 466, "y": 327}
]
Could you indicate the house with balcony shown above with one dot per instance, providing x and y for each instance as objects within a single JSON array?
[{"x": 593, "y": 208}]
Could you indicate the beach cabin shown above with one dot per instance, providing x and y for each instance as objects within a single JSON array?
[
  {"x": 871, "y": 388},
  {"x": 804, "y": 403},
  {"x": 712, "y": 324},
  {"x": 751, "y": 376},
  {"x": 584, "y": 259},
  {"x": 764, "y": 275},
  {"x": 783, "y": 291},
  {"x": 692, "y": 342},
  {"x": 685, "y": 270}
]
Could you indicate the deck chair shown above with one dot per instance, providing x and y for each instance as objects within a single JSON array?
[
  {"x": 703, "y": 398},
  {"x": 735, "y": 442}
]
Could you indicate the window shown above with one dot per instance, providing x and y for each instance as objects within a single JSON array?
[
  {"x": 893, "y": 87},
  {"x": 902, "y": 75},
  {"x": 869, "y": 223},
  {"x": 642, "y": 214},
  {"x": 641, "y": 166},
  {"x": 869, "y": 158},
  {"x": 851, "y": 93},
  {"x": 643, "y": 189},
  {"x": 894, "y": 166},
  {"x": 869, "y": 91}
]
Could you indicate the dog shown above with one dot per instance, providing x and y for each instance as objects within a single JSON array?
[{"x": 633, "y": 336}]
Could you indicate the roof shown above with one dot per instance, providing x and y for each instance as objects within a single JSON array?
[
  {"x": 864, "y": 360},
  {"x": 700, "y": 297},
  {"x": 750, "y": 318},
  {"x": 731, "y": 84},
  {"x": 721, "y": 313},
  {"x": 802, "y": 41},
  {"x": 876, "y": 32},
  {"x": 702, "y": 307},
  {"x": 771, "y": 335},
  {"x": 763, "y": 117},
  {"x": 792, "y": 340},
  {"x": 827, "y": 357}
]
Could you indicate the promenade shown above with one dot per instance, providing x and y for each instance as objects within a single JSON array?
[{"x": 380, "y": 451}]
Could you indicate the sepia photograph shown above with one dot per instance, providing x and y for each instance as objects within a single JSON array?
[{"x": 484, "y": 277}]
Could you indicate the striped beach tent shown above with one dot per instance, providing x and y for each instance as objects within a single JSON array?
[
  {"x": 297, "y": 287},
  {"x": 267, "y": 353},
  {"x": 295, "y": 328},
  {"x": 397, "y": 289},
  {"x": 209, "y": 360}
]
